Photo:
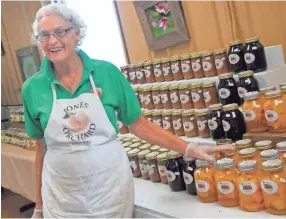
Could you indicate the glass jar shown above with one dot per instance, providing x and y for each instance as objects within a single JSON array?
[
  {"x": 166, "y": 68},
  {"x": 281, "y": 147},
  {"x": 242, "y": 144},
  {"x": 174, "y": 166},
  {"x": 153, "y": 167},
  {"x": 205, "y": 182},
  {"x": 155, "y": 148},
  {"x": 210, "y": 93},
  {"x": 186, "y": 66},
  {"x": 230, "y": 155},
  {"x": 283, "y": 92},
  {"x": 165, "y": 97},
  {"x": 133, "y": 160},
  {"x": 167, "y": 121},
  {"x": 221, "y": 61},
  {"x": 263, "y": 91},
  {"x": 176, "y": 68},
  {"x": 145, "y": 146},
  {"x": 132, "y": 74},
  {"x": 188, "y": 173},
  {"x": 196, "y": 61},
  {"x": 275, "y": 111},
  {"x": 149, "y": 73},
  {"x": 123, "y": 129},
  {"x": 282, "y": 84},
  {"x": 208, "y": 64},
  {"x": 197, "y": 95},
  {"x": 227, "y": 89},
  {"x": 190, "y": 123},
  {"x": 175, "y": 97},
  {"x": 262, "y": 146},
  {"x": 157, "y": 66},
  {"x": 248, "y": 181},
  {"x": 139, "y": 69},
  {"x": 148, "y": 100},
  {"x": 157, "y": 118},
  {"x": 254, "y": 55},
  {"x": 127, "y": 144},
  {"x": 274, "y": 187},
  {"x": 161, "y": 161},
  {"x": 141, "y": 97},
  {"x": 269, "y": 154},
  {"x": 177, "y": 122},
  {"x": 253, "y": 113},
  {"x": 134, "y": 144},
  {"x": 143, "y": 163},
  {"x": 236, "y": 56},
  {"x": 202, "y": 121},
  {"x": 222, "y": 142},
  {"x": 215, "y": 122},
  {"x": 126, "y": 139},
  {"x": 233, "y": 122},
  {"x": 137, "y": 95},
  {"x": 155, "y": 90},
  {"x": 185, "y": 96},
  {"x": 248, "y": 154},
  {"x": 246, "y": 83},
  {"x": 148, "y": 115},
  {"x": 125, "y": 71}
]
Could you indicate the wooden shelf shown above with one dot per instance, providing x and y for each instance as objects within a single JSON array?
[{"x": 274, "y": 137}]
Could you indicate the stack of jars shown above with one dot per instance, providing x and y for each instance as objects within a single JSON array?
[{"x": 16, "y": 114}]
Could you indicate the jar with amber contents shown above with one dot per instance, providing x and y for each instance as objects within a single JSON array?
[
  {"x": 165, "y": 97},
  {"x": 196, "y": 61},
  {"x": 141, "y": 97},
  {"x": 205, "y": 182},
  {"x": 248, "y": 154},
  {"x": 155, "y": 90},
  {"x": 210, "y": 93},
  {"x": 281, "y": 147},
  {"x": 125, "y": 71},
  {"x": 185, "y": 96},
  {"x": 149, "y": 73},
  {"x": 190, "y": 123},
  {"x": 242, "y": 144},
  {"x": 167, "y": 121},
  {"x": 208, "y": 64},
  {"x": 275, "y": 111},
  {"x": 269, "y": 154},
  {"x": 152, "y": 166},
  {"x": 148, "y": 115},
  {"x": 161, "y": 161},
  {"x": 175, "y": 97},
  {"x": 157, "y": 118},
  {"x": 221, "y": 61},
  {"x": 274, "y": 187},
  {"x": 202, "y": 121},
  {"x": 215, "y": 122},
  {"x": 123, "y": 129},
  {"x": 132, "y": 74},
  {"x": 263, "y": 145},
  {"x": 263, "y": 91},
  {"x": 139, "y": 69},
  {"x": 166, "y": 68},
  {"x": 133, "y": 160},
  {"x": 248, "y": 182},
  {"x": 176, "y": 68},
  {"x": 186, "y": 66},
  {"x": 221, "y": 142},
  {"x": 143, "y": 163},
  {"x": 148, "y": 98},
  {"x": 177, "y": 123},
  {"x": 157, "y": 66},
  {"x": 197, "y": 95},
  {"x": 283, "y": 93},
  {"x": 230, "y": 155},
  {"x": 137, "y": 95}
]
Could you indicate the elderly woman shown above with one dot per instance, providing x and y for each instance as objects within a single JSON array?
[{"x": 73, "y": 103}]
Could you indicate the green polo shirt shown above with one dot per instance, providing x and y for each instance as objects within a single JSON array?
[{"x": 117, "y": 94}]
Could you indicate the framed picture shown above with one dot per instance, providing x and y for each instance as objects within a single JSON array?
[
  {"x": 163, "y": 23},
  {"x": 29, "y": 61}
]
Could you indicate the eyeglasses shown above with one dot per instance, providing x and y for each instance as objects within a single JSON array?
[{"x": 45, "y": 36}]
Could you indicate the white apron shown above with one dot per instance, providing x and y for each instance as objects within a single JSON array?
[{"x": 86, "y": 172}]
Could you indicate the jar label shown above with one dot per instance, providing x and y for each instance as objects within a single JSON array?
[
  {"x": 132, "y": 75},
  {"x": 133, "y": 165},
  {"x": 202, "y": 186},
  {"x": 233, "y": 59},
  {"x": 188, "y": 178},
  {"x": 207, "y": 66},
  {"x": 226, "y": 125},
  {"x": 147, "y": 73},
  {"x": 184, "y": 98},
  {"x": 196, "y": 66},
  {"x": 201, "y": 125},
  {"x": 212, "y": 124},
  {"x": 195, "y": 97},
  {"x": 162, "y": 170},
  {"x": 271, "y": 115},
  {"x": 269, "y": 186},
  {"x": 151, "y": 169},
  {"x": 119, "y": 124},
  {"x": 241, "y": 92},
  {"x": 175, "y": 68},
  {"x": 166, "y": 71},
  {"x": 150, "y": 119},
  {"x": 157, "y": 72},
  {"x": 207, "y": 96},
  {"x": 166, "y": 124},
  {"x": 125, "y": 75},
  {"x": 142, "y": 99},
  {"x": 249, "y": 58},
  {"x": 156, "y": 99},
  {"x": 185, "y": 67},
  {"x": 147, "y": 99},
  {"x": 158, "y": 122},
  {"x": 218, "y": 63},
  {"x": 224, "y": 93},
  {"x": 170, "y": 176},
  {"x": 249, "y": 115},
  {"x": 174, "y": 97},
  {"x": 164, "y": 98},
  {"x": 188, "y": 126},
  {"x": 139, "y": 75},
  {"x": 225, "y": 187},
  {"x": 177, "y": 124},
  {"x": 143, "y": 168}
]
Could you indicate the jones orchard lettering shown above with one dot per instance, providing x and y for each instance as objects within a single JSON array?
[
  {"x": 79, "y": 137},
  {"x": 75, "y": 107}
]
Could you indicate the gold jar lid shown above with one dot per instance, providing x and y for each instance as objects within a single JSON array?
[
  {"x": 135, "y": 145},
  {"x": 263, "y": 145},
  {"x": 196, "y": 85},
  {"x": 209, "y": 84},
  {"x": 145, "y": 146},
  {"x": 206, "y": 53},
  {"x": 271, "y": 94},
  {"x": 245, "y": 74},
  {"x": 195, "y": 55},
  {"x": 220, "y": 51},
  {"x": 156, "y": 112},
  {"x": 183, "y": 86},
  {"x": 188, "y": 112},
  {"x": 147, "y": 63},
  {"x": 156, "y": 61},
  {"x": 135, "y": 89},
  {"x": 224, "y": 141},
  {"x": 143, "y": 153},
  {"x": 281, "y": 146},
  {"x": 227, "y": 153},
  {"x": 155, "y": 148},
  {"x": 127, "y": 149},
  {"x": 173, "y": 87},
  {"x": 167, "y": 112},
  {"x": 232, "y": 106},
  {"x": 247, "y": 152},
  {"x": 225, "y": 163},
  {"x": 126, "y": 139},
  {"x": 202, "y": 163},
  {"x": 131, "y": 66},
  {"x": 202, "y": 112},
  {"x": 139, "y": 64},
  {"x": 162, "y": 157},
  {"x": 269, "y": 154},
  {"x": 173, "y": 155},
  {"x": 126, "y": 144},
  {"x": 252, "y": 39},
  {"x": 244, "y": 143},
  {"x": 133, "y": 153},
  {"x": 216, "y": 106},
  {"x": 235, "y": 42},
  {"x": 185, "y": 56},
  {"x": 283, "y": 89},
  {"x": 144, "y": 142},
  {"x": 124, "y": 67},
  {"x": 270, "y": 165},
  {"x": 175, "y": 58},
  {"x": 251, "y": 95},
  {"x": 147, "y": 88},
  {"x": 177, "y": 112},
  {"x": 267, "y": 89},
  {"x": 147, "y": 112},
  {"x": 282, "y": 84},
  {"x": 156, "y": 87},
  {"x": 164, "y": 87},
  {"x": 152, "y": 156},
  {"x": 163, "y": 150},
  {"x": 225, "y": 75},
  {"x": 164, "y": 60},
  {"x": 135, "y": 140},
  {"x": 284, "y": 158}
]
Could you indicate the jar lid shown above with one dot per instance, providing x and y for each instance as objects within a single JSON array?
[
  {"x": 269, "y": 154},
  {"x": 143, "y": 153},
  {"x": 202, "y": 163},
  {"x": 164, "y": 87},
  {"x": 252, "y": 39},
  {"x": 244, "y": 143},
  {"x": 135, "y": 145},
  {"x": 188, "y": 112},
  {"x": 245, "y": 74},
  {"x": 135, "y": 140},
  {"x": 235, "y": 42},
  {"x": 275, "y": 164},
  {"x": 145, "y": 146},
  {"x": 267, "y": 89},
  {"x": 126, "y": 144},
  {"x": 147, "y": 63},
  {"x": 177, "y": 112},
  {"x": 173, "y": 155},
  {"x": 143, "y": 142},
  {"x": 227, "y": 153},
  {"x": 127, "y": 149},
  {"x": 247, "y": 165},
  {"x": 195, "y": 55},
  {"x": 156, "y": 61},
  {"x": 133, "y": 153},
  {"x": 162, "y": 157},
  {"x": 131, "y": 66},
  {"x": 147, "y": 112},
  {"x": 202, "y": 112},
  {"x": 195, "y": 85},
  {"x": 139, "y": 64},
  {"x": 247, "y": 152},
  {"x": 124, "y": 67},
  {"x": 167, "y": 112},
  {"x": 156, "y": 87},
  {"x": 261, "y": 145},
  {"x": 185, "y": 56},
  {"x": 156, "y": 112},
  {"x": 208, "y": 84},
  {"x": 275, "y": 93},
  {"x": 147, "y": 88},
  {"x": 161, "y": 150},
  {"x": 164, "y": 60},
  {"x": 175, "y": 58},
  {"x": 216, "y": 106},
  {"x": 183, "y": 86},
  {"x": 155, "y": 148},
  {"x": 251, "y": 95},
  {"x": 224, "y": 141},
  {"x": 136, "y": 89},
  {"x": 282, "y": 84},
  {"x": 281, "y": 146},
  {"x": 232, "y": 106},
  {"x": 152, "y": 155},
  {"x": 225, "y": 163},
  {"x": 126, "y": 139},
  {"x": 206, "y": 53},
  {"x": 219, "y": 51},
  {"x": 225, "y": 75},
  {"x": 173, "y": 87},
  {"x": 283, "y": 89}
]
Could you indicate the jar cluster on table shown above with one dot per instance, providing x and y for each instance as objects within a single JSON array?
[{"x": 16, "y": 114}]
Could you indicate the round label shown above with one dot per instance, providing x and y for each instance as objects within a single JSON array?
[
  {"x": 226, "y": 125},
  {"x": 175, "y": 68},
  {"x": 166, "y": 124},
  {"x": 218, "y": 63},
  {"x": 207, "y": 96},
  {"x": 196, "y": 66},
  {"x": 225, "y": 187},
  {"x": 125, "y": 75},
  {"x": 119, "y": 124},
  {"x": 202, "y": 186},
  {"x": 177, "y": 124},
  {"x": 271, "y": 115},
  {"x": 188, "y": 126},
  {"x": 162, "y": 170},
  {"x": 185, "y": 67},
  {"x": 158, "y": 122},
  {"x": 249, "y": 115},
  {"x": 143, "y": 168},
  {"x": 132, "y": 75},
  {"x": 164, "y": 98},
  {"x": 157, "y": 72},
  {"x": 147, "y": 99},
  {"x": 269, "y": 186},
  {"x": 166, "y": 71},
  {"x": 184, "y": 98},
  {"x": 212, "y": 124},
  {"x": 249, "y": 58},
  {"x": 133, "y": 165},
  {"x": 156, "y": 99},
  {"x": 139, "y": 75},
  {"x": 170, "y": 176},
  {"x": 174, "y": 98},
  {"x": 233, "y": 59},
  {"x": 188, "y": 178},
  {"x": 201, "y": 125},
  {"x": 224, "y": 93},
  {"x": 142, "y": 99},
  {"x": 151, "y": 169},
  {"x": 207, "y": 66},
  {"x": 195, "y": 97},
  {"x": 150, "y": 119},
  {"x": 147, "y": 73},
  {"x": 241, "y": 91}
]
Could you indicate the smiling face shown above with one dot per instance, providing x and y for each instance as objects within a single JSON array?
[{"x": 58, "y": 49}]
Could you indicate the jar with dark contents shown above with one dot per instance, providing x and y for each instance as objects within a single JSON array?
[
  {"x": 254, "y": 55},
  {"x": 236, "y": 56},
  {"x": 148, "y": 98},
  {"x": 141, "y": 97},
  {"x": 140, "y": 75},
  {"x": 210, "y": 93},
  {"x": 175, "y": 97},
  {"x": 149, "y": 73},
  {"x": 155, "y": 90},
  {"x": 157, "y": 67},
  {"x": 174, "y": 166},
  {"x": 152, "y": 166},
  {"x": 227, "y": 89},
  {"x": 161, "y": 161},
  {"x": 157, "y": 118},
  {"x": 148, "y": 115},
  {"x": 188, "y": 173},
  {"x": 233, "y": 122},
  {"x": 125, "y": 71},
  {"x": 167, "y": 121},
  {"x": 133, "y": 160},
  {"x": 167, "y": 71},
  {"x": 208, "y": 64},
  {"x": 190, "y": 123},
  {"x": 137, "y": 95},
  {"x": 143, "y": 163},
  {"x": 185, "y": 96},
  {"x": 176, "y": 68},
  {"x": 197, "y": 68},
  {"x": 122, "y": 128},
  {"x": 177, "y": 123},
  {"x": 165, "y": 97},
  {"x": 202, "y": 121},
  {"x": 197, "y": 95},
  {"x": 132, "y": 74},
  {"x": 186, "y": 66},
  {"x": 215, "y": 122},
  {"x": 246, "y": 83},
  {"x": 221, "y": 61}
]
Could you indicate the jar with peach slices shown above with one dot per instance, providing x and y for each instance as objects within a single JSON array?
[
  {"x": 242, "y": 144},
  {"x": 281, "y": 148},
  {"x": 248, "y": 154}
]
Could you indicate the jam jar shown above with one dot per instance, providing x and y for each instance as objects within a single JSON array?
[
  {"x": 148, "y": 115},
  {"x": 242, "y": 144},
  {"x": 208, "y": 64},
  {"x": 152, "y": 166},
  {"x": 175, "y": 97},
  {"x": 136, "y": 91},
  {"x": 177, "y": 123},
  {"x": 221, "y": 61},
  {"x": 132, "y": 74},
  {"x": 254, "y": 55},
  {"x": 125, "y": 71},
  {"x": 269, "y": 154},
  {"x": 202, "y": 121},
  {"x": 156, "y": 97},
  {"x": 197, "y": 95},
  {"x": 190, "y": 123},
  {"x": 283, "y": 92},
  {"x": 188, "y": 173},
  {"x": 166, "y": 68},
  {"x": 210, "y": 93},
  {"x": 139, "y": 69},
  {"x": 236, "y": 56},
  {"x": 165, "y": 97},
  {"x": 161, "y": 161},
  {"x": 233, "y": 122},
  {"x": 157, "y": 118},
  {"x": 148, "y": 101},
  {"x": 215, "y": 122},
  {"x": 248, "y": 154},
  {"x": 122, "y": 128},
  {"x": 167, "y": 121},
  {"x": 143, "y": 163},
  {"x": 133, "y": 160},
  {"x": 175, "y": 167},
  {"x": 196, "y": 61},
  {"x": 246, "y": 83},
  {"x": 157, "y": 66},
  {"x": 141, "y": 97},
  {"x": 185, "y": 96},
  {"x": 281, "y": 147},
  {"x": 263, "y": 91},
  {"x": 149, "y": 73},
  {"x": 227, "y": 89},
  {"x": 176, "y": 68},
  {"x": 186, "y": 66},
  {"x": 262, "y": 146}
]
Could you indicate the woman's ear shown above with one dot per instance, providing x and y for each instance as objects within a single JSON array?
[{"x": 77, "y": 34}]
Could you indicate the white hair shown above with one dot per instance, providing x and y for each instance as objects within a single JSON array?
[{"x": 64, "y": 12}]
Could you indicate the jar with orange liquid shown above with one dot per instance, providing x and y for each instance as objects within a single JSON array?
[
  {"x": 273, "y": 184},
  {"x": 283, "y": 92},
  {"x": 269, "y": 154},
  {"x": 248, "y": 154},
  {"x": 281, "y": 147},
  {"x": 222, "y": 142},
  {"x": 229, "y": 154},
  {"x": 263, "y": 145},
  {"x": 205, "y": 183},
  {"x": 225, "y": 179},
  {"x": 284, "y": 161},
  {"x": 242, "y": 144},
  {"x": 248, "y": 182},
  {"x": 263, "y": 91}
]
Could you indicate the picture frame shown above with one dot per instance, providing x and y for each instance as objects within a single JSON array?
[
  {"x": 163, "y": 23},
  {"x": 29, "y": 61}
]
